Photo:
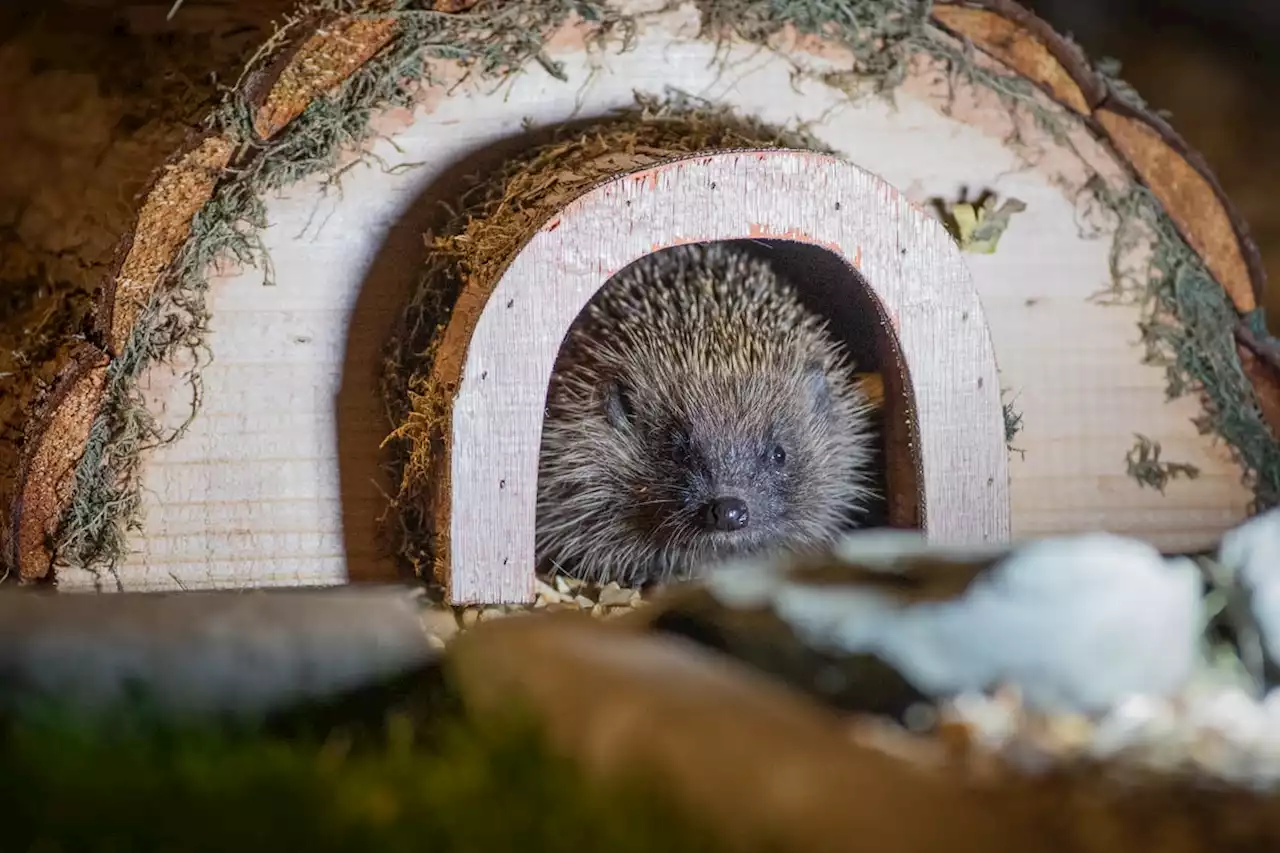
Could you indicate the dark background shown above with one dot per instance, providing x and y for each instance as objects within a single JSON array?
[{"x": 1215, "y": 66}]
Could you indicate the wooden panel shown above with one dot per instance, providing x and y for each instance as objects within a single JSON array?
[
  {"x": 327, "y": 57},
  {"x": 55, "y": 444},
  {"x": 179, "y": 191},
  {"x": 277, "y": 481},
  {"x": 1011, "y": 35},
  {"x": 502, "y": 340}
]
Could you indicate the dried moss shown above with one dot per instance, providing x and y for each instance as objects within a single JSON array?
[
  {"x": 494, "y": 219},
  {"x": 1012, "y": 423},
  {"x": 493, "y": 43},
  {"x": 130, "y": 96},
  {"x": 1187, "y": 325},
  {"x": 884, "y": 36},
  {"x": 1148, "y": 469},
  {"x": 881, "y": 34},
  {"x": 1187, "y": 319}
]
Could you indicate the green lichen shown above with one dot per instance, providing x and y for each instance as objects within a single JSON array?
[{"x": 1188, "y": 325}]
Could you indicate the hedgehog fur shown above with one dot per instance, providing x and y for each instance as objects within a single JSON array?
[{"x": 697, "y": 411}]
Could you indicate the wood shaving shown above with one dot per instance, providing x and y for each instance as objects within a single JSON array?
[{"x": 552, "y": 594}]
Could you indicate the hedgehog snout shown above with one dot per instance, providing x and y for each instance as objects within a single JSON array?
[{"x": 726, "y": 514}]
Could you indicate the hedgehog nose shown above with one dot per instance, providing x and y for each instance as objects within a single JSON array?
[{"x": 727, "y": 514}]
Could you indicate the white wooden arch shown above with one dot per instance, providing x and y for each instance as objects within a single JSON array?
[{"x": 503, "y": 337}]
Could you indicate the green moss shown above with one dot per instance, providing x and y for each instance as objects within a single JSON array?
[
  {"x": 443, "y": 784},
  {"x": 1148, "y": 469},
  {"x": 1188, "y": 327},
  {"x": 881, "y": 34}
]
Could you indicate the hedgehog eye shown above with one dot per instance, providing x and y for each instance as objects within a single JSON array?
[
  {"x": 618, "y": 409},
  {"x": 778, "y": 455},
  {"x": 681, "y": 446}
]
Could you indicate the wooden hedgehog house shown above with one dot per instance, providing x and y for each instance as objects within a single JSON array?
[{"x": 953, "y": 185}]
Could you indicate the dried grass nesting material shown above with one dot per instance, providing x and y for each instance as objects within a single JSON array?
[{"x": 494, "y": 220}]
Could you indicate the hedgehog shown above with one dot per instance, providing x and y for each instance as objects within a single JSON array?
[{"x": 697, "y": 412}]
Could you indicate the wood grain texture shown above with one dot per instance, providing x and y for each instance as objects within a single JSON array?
[
  {"x": 1182, "y": 182},
  {"x": 276, "y": 481},
  {"x": 1027, "y": 45},
  {"x": 1021, "y": 40},
  {"x": 332, "y": 52},
  {"x": 179, "y": 191},
  {"x": 1261, "y": 363},
  {"x": 1066, "y": 54},
  {"x": 53, "y": 451},
  {"x": 502, "y": 340}
]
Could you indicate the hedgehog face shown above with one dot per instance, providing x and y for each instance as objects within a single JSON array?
[
  {"x": 739, "y": 476},
  {"x": 697, "y": 412}
]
